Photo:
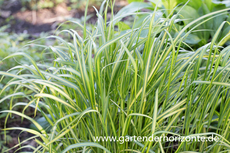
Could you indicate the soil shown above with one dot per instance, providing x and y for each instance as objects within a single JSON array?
[
  {"x": 35, "y": 22},
  {"x": 14, "y": 136}
]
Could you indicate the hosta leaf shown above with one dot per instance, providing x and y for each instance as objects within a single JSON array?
[
  {"x": 122, "y": 26},
  {"x": 188, "y": 13},
  {"x": 43, "y": 122},
  {"x": 191, "y": 39},
  {"x": 169, "y": 5},
  {"x": 193, "y": 3},
  {"x": 128, "y": 10},
  {"x": 130, "y": 1},
  {"x": 225, "y": 2}
]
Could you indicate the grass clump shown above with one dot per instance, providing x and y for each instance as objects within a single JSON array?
[{"x": 137, "y": 82}]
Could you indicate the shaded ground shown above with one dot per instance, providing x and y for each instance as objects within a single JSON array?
[
  {"x": 14, "y": 136},
  {"x": 35, "y": 22}
]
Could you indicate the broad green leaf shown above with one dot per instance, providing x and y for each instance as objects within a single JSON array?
[
  {"x": 122, "y": 26},
  {"x": 129, "y": 9},
  {"x": 192, "y": 39},
  {"x": 225, "y": 2},
  {"x": 169, "y": 5},
  {"x": 43, "y": 122},
  {"x": 196, "y": 4},
  {"x": 130, "y": 1},
  {"x": 188, "y": 13}
]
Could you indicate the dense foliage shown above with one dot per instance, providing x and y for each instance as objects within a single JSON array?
[{"x": 121, "y": 80}]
